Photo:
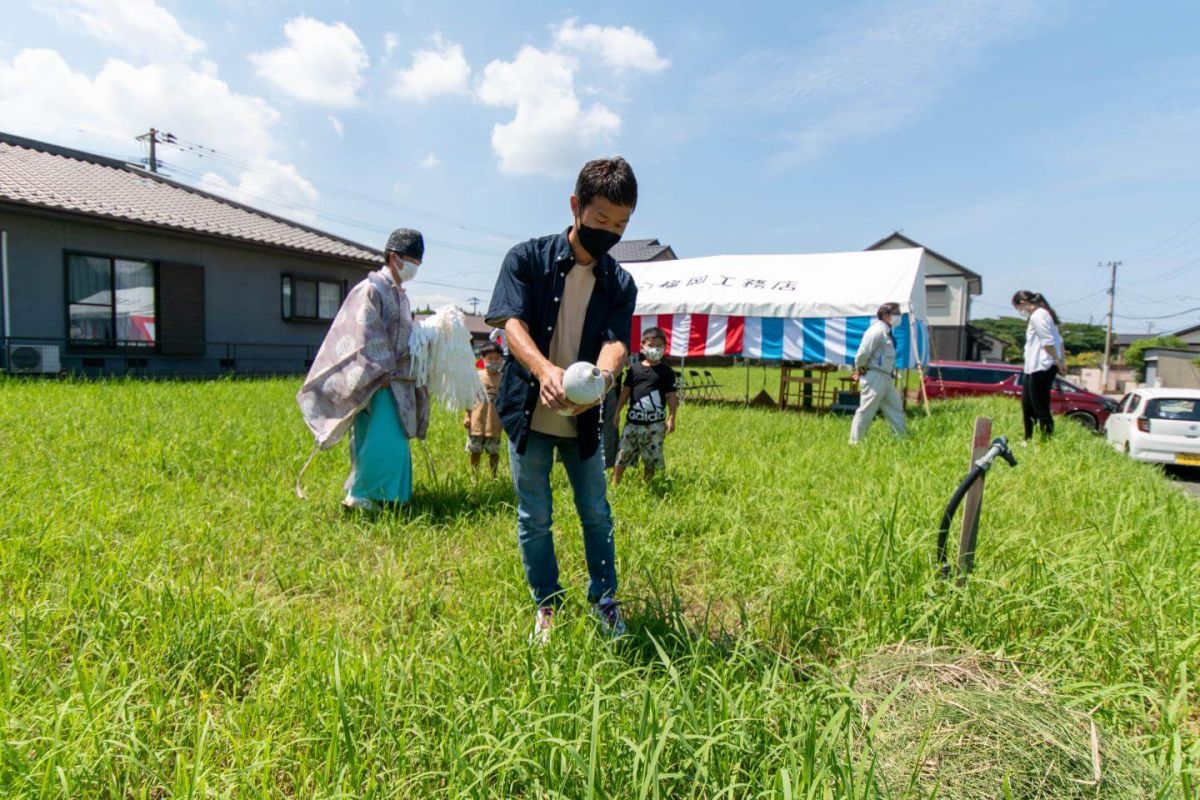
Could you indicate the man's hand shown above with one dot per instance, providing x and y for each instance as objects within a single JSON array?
[
  {"x": 670, "y": 424},
  {"x": 552, "y": 394}
]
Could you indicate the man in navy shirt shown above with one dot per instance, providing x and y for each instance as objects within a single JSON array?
[{"x": 562, "y": 299}]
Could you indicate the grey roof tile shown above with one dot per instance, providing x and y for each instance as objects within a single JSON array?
[{"x": 51, "y": 177}]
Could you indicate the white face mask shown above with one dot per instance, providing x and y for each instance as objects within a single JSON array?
[
  {"x": 407, "y": 271},
  {"x": 653, "y": 353},
  {"x": 1024, "y": 312},
  {"x": 894, "y": 322}
]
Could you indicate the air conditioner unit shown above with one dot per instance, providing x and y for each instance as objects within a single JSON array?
[{"x": 34, "y": 359}]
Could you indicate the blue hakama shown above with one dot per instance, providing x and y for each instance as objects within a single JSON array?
[{"x": 380, "y": 458}]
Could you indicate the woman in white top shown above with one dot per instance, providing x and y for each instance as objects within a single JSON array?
[{"x": 1045, "y": 359}]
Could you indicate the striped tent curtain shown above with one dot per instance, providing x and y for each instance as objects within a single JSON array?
[{"x": 812, "y": 340}]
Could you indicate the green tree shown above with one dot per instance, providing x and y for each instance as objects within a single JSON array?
[
  {"x": 1078, "y": 337},
  {"x": 1009, "y": 330},
  {"x": 1135, "y": 356}
]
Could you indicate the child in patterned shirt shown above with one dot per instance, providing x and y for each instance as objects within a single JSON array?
[{"x": 649, "y": 389}]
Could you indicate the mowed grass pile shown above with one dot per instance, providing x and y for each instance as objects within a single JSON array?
[{"x": 177, "y": 624}]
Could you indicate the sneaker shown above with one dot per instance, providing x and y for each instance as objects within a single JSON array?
[
  {"x": 541, "y": 627},
  {"x": 608, "y": 611}
]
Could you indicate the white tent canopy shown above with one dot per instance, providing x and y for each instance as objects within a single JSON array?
[
  {"x": 803, "y": 307},
  {"x": 788, "y": 286}
]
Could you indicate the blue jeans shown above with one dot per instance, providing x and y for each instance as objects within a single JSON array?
[{"x": 531, "y": 479}]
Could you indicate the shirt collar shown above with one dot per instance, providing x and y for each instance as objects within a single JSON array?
[
  {"x": 564, "y": 255},
  {"x": 386, "y": 274}
]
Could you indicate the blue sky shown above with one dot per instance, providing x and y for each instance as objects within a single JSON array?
[{"x": 1027, "y": 140}]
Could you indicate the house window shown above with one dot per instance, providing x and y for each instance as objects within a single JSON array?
[
  {"x": 111, "y": 301},
  {"x": 937, "y": 298},
  {"x": 311, "y": 299}
]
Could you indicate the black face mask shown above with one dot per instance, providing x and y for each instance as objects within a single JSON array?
[{"x": 596, "y": 241}]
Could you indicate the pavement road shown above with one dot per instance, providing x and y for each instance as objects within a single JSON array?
[{"x": 1189, "y": 478}]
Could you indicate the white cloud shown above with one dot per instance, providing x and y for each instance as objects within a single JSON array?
[
  {"x": 621, "y": 48},
  {"x": 431, "y": 161},
  {"x": 271, "y": 186},
  {"x": 884, "y": 66},
  {"x": 141, "y": 27},
  {"x": 321, "y": 63},
  {"x": 551, "y": 132},
  {"x": 337, "y": 125},
  {"x": 437, "y": 71},
  {"x": 45, "y": 98}
]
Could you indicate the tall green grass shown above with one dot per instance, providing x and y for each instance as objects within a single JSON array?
[{"x": 177, "y": 624}]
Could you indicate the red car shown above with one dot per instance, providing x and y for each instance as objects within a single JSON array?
[{"x": 973, "y": 379}]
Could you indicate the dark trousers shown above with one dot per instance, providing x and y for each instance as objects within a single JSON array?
[{"x": 1035, "y": 401}]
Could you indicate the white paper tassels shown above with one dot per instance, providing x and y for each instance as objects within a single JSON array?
[{"x": 443, "y": 361}]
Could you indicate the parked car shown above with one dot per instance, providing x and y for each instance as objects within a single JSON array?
[
  {"x": 1160, "y": 425},
  {"x": 973, "y": 379}
]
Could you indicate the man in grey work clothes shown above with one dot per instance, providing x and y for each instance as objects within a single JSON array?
[
  {"x": 875, "y": 368},
  {"x": 562, "y": 299}
]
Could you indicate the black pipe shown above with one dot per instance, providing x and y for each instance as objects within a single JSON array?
[
  {"x": 948, "y": 515},
  {"x": 1000, "y": 449}
]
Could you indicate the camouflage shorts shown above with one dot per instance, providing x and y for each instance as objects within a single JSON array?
[
  {"x": 484, "y": 444},
  {"x": 644, "y": 443}
]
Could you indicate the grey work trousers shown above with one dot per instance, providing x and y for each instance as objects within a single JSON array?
[{"x": 877, "y": 395}]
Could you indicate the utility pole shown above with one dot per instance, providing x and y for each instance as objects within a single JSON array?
[
  {"x": 474, "y": 301},
  {"x": 152, "y": 137},
  {"x": 1112, "y": 299}
]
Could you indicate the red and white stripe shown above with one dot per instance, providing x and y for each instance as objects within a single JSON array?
[{"x": 694, "y": 335}]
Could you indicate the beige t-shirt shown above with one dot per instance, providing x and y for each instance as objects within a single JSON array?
[{"x": 564, "y": 344}]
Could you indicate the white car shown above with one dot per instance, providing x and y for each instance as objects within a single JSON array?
[{"x": 1159, "y": 425}]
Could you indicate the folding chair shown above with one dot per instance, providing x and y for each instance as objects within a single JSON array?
[
  {"x": 714, "y": 387},
  {"x": 681, "y": 386},
  {"x": 697, "y": 382}
]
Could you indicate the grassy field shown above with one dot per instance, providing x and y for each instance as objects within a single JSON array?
[{"x": 177, "y": 624}]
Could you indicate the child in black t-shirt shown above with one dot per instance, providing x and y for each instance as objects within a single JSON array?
[{"x": 649, "y": 388}]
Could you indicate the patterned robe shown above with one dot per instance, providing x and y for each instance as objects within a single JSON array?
[{"x": 366, "y": 348}]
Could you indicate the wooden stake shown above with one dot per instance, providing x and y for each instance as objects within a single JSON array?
[
  {"x": 924, "y": 394},
  {"x": 974, "y": 501}
]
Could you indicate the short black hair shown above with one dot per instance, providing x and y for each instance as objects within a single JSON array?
[
  {"x": 610, "y": 178},
  {"x": 646, "y": 334},
  {"x": 890, "y": 309}
]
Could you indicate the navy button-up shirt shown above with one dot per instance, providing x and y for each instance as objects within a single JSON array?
[{"x": 530, "y": 288}]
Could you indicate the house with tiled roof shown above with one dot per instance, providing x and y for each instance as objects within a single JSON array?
[
  {"x": 949, "y": 287},
  {"x": 109, "y": 268},
  {"x": 632, "y": 251}
]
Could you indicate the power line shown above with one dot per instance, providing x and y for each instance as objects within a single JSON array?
[
  {"x": 1164, "y": 316},
  {"x": 152, "y": 139},
  {"x": 212, "y": 154},
  {"x": 293, "y": 206},
  {"x": 1168, "y": 240}
]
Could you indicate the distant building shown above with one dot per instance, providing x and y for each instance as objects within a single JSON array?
[
  {"x": 988, "y": 347},
  {"x": 1191, "y": 336},
  {"x": 1174, "y": 368},
  {"x": 109, "y": 269},
  {"x": 1121, "y": 342},
  {"x": 949, "y": 287},
  {"x": 480, "y": 331},
  {"x": 631, "y": 251}
]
